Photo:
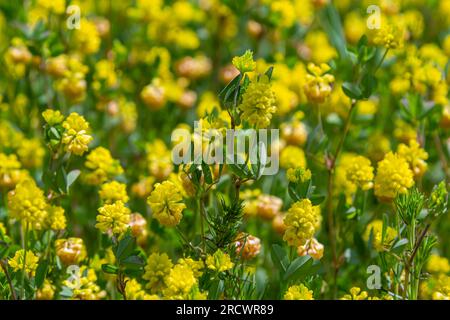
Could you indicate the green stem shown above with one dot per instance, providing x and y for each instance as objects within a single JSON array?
[
  {"x": 25, "y": 248},
  {"x": 8, "y": 278}
]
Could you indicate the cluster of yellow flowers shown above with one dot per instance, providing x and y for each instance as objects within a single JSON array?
[
  {"x": 437, "y": 286},
  {"x": 179, "y": 281},
  {"x": 28, "y": 205},
  {"x": 302, "y": 220}
]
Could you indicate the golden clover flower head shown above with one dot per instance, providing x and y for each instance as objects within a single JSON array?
[
  {"x": 134, "y": 291},
  {"x": 157, "y": 268},
  {"x": 56, "y": 220},
  {"x": 258, "y": 103},
  {"x": 154, "y": 95},
  {"x": 31, "y": 153},
  {"x": 318, "y": 84},
  {"x": 438, "y": 264},
  {"x": 76, "y": 137},
  {"x": 298, "y": 174},
  {"x": 298, "y": 292},
  {"x": 268, "y": 206},
  {"x": 87, "y": 37},
  {"x": 113, "y": 218},
  {"x": 301, "y": 221},
  {"x": 219, "y": 261},
  {"x": 360, "y": 172},
  {"x": 278, "y": 223},
  {"x": 31, "y": 262},
  {"x": 102, "y": 166},
  {"x": 113, "y": 191},
  {"x": 179, "y": 282},
  {"x": 70, "y": 251},
  {"x": 292, "y": 157},
  {"x": 165, "y": 202},
  {"x": 389, "y": 36},
  {"x": 27, "y": 204},
  {"x": 10, "y": 171},
  {"x": 377, "y": 146},
  {"x": 312, "y": 248},
  {"x": 52, "y": 117},
  {"x": 415, "y": 156},
  {"x": 159, "y": 159},
  {"x": 393, "y": 177},
  {"x": 245, "y": 63},
  {"x": 375, "y": 228},
  {"x": 84, "y": 287},
  {"x": 355, "y": 294},
  {"x": 247, "y": 246},
  {"x": 294, "y": 133},
  {"x": 143, "y": 187},
  {"x": 47, "y": 292},
  {"x": 194, "y": 265},
  {"x": 138, "y": 225}
]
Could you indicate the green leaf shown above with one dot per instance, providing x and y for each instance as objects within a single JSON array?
[
  {"x": 296, "y": 266},
  {"x": 71, "y": 177},
  {"x": 293, "y": 192},
  {"x": 362, "y": 42},
  {"x": 125, "y": 247},
  {"x": 352, "y": 90},
  {"x": 269, "y": 72},
  {"x": 330, "y": 20},
  {"x": 316, "y": 199},
  {"x": 109, "y": 268},
  {"x": 61, "y": 178},
  {"x": 229, "y": 89},
  {"x": 240, "y": 170},
  {"x": 368, "y": 83},
  {"x": 55, "y": 133},
  {"x": 280, "y": 257},
  {"x": 133, "y": 262},
  {"x": 41, "y": 273},
  {"x": 399, "y": 245},
  {"x": 207, "y": 173}
]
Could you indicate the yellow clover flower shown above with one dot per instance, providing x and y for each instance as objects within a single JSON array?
[
  {"x": 258, "y": 103},
  {"x": 393, "y": 177},
  {"x": 70, "y": 251},
  {"x": 360, "y": 172},
  {"x": 179, "y": 282},
  {"x": 356, "y": 294},
  {"x": 157, "y": 268},
  {"x": 113, "y": 217},
  {"x": 56, "y": 220},
  {"x": 298, "y": 292},
  {"x": 219, "y": 261},
  {"x": 292, "y": 157},
  {"x": 76, "y": 137},
  {"x": 52, "y": 117},
  {"x": 27, "y": 204},
  {"x": 318, "y": 83},
  {"x": 31, "y": 262},
  {"x": 301, "y": 222},
  {"x": 102, "y": 166},
  {"x": 415, "y": 156},
  {"x": 113, "y": 191},
  {"x": 245, "y": 63},
  {"x": 376, "y": 229},
  {"x": 165, "y": 202}
]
